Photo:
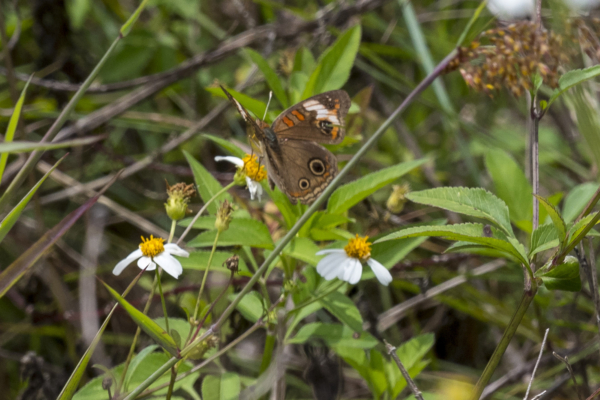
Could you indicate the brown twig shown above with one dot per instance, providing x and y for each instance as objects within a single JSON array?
[
  {"x": 411, "y": 384},
  {"x": 565, "y": 360}
]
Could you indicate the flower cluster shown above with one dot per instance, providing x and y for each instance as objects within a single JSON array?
[
  {"x": 515, "y": 54},
  {"x": 249, "y": 172}
]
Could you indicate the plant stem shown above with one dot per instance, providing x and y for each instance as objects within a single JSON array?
[
  {"x": 172, "y": 233},
  {"x": 535, "y": 163},
  {"x": 411, "y": 384},
  {"x": 305, "y": 217},
  {"x": 204, "y": 207},
  {"x": 172, "y": 382},
  {"x": 162, "y": 298},
  {"x": 195, "y": 316},
  {"x": 528, "y": 294}
]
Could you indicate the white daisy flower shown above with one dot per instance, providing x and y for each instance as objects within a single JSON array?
[
  {"x": 346, "y": 264},
  {"x": 153, "y": 251},
  {"x": 250, "y": 171}
]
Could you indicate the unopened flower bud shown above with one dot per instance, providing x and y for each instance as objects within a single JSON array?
[
  {"x": 223, "y": 216},
  {"x": 106, "y": 383},
  {"x": 179, "y": 197},
  {"x": 232, "y": 263},
  {"x": 397, "y": 199},
  {"x": 198, "y": 352}
]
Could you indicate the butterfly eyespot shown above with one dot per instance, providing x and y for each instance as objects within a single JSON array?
[
  {"x": 316, "y": 166},
  {"x": 325, "y": 126},
  {"x": 303, "y": 183}
]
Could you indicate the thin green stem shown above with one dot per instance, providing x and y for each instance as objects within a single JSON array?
[
  {"x": 187, "y": 230},
  {"x": 172, "y": 381},
  {"x": 162, "y": 298},
  {"x": 305, "y": 217},
  {"x": 172, "y": 233},
  {"x": 212, "y": 253},
  {"x": 511, "y": 329}
]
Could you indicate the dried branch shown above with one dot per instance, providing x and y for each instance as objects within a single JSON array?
[
  {"x": 565, "y": 360},
  {"x": 411, "y": 384},
  {"x": 536, "y": 366}
]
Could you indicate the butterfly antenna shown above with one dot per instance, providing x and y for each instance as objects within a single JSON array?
[{"x": 269, "y": 102}]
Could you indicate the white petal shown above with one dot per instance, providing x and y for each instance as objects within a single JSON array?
[
  {"x": 234, "y": 160},
  {"x": 175, "y": 250},
  {"x": 143, "y": 262},
  {"x": 338, "y": 263},
  {"x": 151, "y": 266},
  {"x": 169, "y": 264},
  {"x": 126, "y": 261},
  {"x": 328, "y": 251},
  {"x": 356, "y": 273},
  {"x": 254, "y": 188},
  {"x": 329, "y": 263},
  {"x": 383, "y": 275}
]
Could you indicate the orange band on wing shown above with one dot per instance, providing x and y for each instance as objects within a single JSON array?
[
  {"x": 288, "y": 121},
  {"x": 298, "y": 115},
  {"x": 334, "y": 132}
]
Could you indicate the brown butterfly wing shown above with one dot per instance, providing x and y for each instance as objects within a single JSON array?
[
  {"x": 318, "y": 119},
  {"x": 301, "y": 169},
  {"x": 252, "y": 124}
]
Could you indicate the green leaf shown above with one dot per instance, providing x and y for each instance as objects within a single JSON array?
[
  {"x": 335, "y": 64},
  {"x": 304, "y": 61},
  {"x": 146, "y": 323},
  {"x": 465, "y": 33},
  {"x": 225, "y": 386},
  {"x": 207, "y": 185},
  {"x": 511, "y": 186},
  {"x": 543, "y": 238},
  {"x": 12, "y": 217},
  {"x": 198, "y": 260},
  {"x": 241, "y": 232},
  {"x": 27, "y": 147},
  {"x": 126, "y": 28},
  {"x": 577, "y": 199},
  {"x": 410, "y": 353},
  {"x": 467, "y": 232},
  {"x": 564, "y": 276},
  {"x": 227, "y": 145},
  {"x": 303, "y": 249},
  {"x": 270, "y": 76},
  {"x": 11, "y": 129},
  {"x": 343, "y": 309},
  {"x": 137, "y": 361},
  {"x": 346, "y": 196},
  {"x": 251, "y": 307},
  {"x": 573, "y": 78},
  {"x": 334, "y": 334},
  {"x": 579, "y": 230},
  {"x": 559, "y": 223},
  {"x": 475, "y": 202}
]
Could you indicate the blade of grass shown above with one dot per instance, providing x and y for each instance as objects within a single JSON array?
[
  {"x": 12, "y": 217},
  {"x": 12, "y": 128},
  {"x": 64, "y": 115},
  {"x": 15, "y": 271},
  {"x": 26, "y": 147}
]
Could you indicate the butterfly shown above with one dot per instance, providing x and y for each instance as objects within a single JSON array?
[{"x": 296, "y": 162}]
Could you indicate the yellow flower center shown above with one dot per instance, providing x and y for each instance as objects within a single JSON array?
[
  {"x": 253, "y": 169},
  {"x": 152, "y": 247},
  {"x": 358, "y": 248}
]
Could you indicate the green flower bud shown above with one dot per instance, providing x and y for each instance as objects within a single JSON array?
[
  {"x": 223, "y": 216},
  {"x": 179, "y": 197}
]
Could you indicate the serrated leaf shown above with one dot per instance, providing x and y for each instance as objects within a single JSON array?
[
  {"x": 207, "y": 185},
  {"x": 225, "y": 386},
  {"x": 479, "y": 249},
  {"x": 137, "y": 361},
  {"x": 146, "y": 323},
  {"x": 343, "y": 309},
  {"x": 334, "y": 334},
  {"x": 577, "y": 199},
  {"x": 559, "y": 223},
  {"x": 334, "y": 65},
  {"x": 303, "y": 249},
  {"x": 466, "y": 232},
  {"x": 410, "y": 354},
  {"x": 475, "y": 202},
  {"x": 346, "y": 196},
  {"x": 270, "y": 76},
  {"x": 573, "y": 78},
  {"x": 241, "y": 232},
  {"x": 564, "y": 276},
  {"x": 543, "y": 238}
]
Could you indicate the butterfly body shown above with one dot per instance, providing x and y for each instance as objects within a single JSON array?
[{"x": 295, "y": 160}]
